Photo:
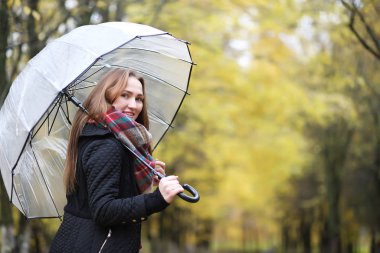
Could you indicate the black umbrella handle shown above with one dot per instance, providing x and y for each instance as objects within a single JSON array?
[{"x": 192, "y": 199}]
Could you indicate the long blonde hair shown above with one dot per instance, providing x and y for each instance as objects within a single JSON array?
[{"x": 97, "y": 103}]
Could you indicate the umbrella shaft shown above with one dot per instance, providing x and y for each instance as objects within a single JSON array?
[{"x": 75, "y": 101}]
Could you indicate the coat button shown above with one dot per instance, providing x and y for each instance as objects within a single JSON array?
[
  {"x": 123, "y": 222},
  {"x": 133, "y": 220},
  {"x": 142, "y": 218}
]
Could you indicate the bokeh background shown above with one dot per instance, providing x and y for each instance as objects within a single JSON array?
[{"x": 281, "y": 132}]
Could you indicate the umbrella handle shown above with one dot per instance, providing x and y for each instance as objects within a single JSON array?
[
  {"x": 182, "y": 195},
  {"x": 191, "y": 199}
]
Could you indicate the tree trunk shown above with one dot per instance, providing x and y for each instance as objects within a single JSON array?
[
  {"x": 245, "y": 234},
  {"x": 338, "y": 137},
  {"x": 162, "y": 245},
  {"x": 350, "y": 248},
  {"x": 333, "y": 191},
  {"x": 204, "y": 234},
  {"x": 372, "y": 247},
  {"x": 324, "y": 238},
  {"x": 375, "y": 240},
  {"x": 305, "y": 231},
  {"x": 33, "y": 42},
  {"x": 120, "y": 10},
  {"x": 377, "y": 182},
  {"x": 7, "y": 232},
  {"x": 4, "y": 28},
  {"x": 86, "y": 10},
  {"x": 285, "y": 238},
  {"x": 24, "y": 235}
]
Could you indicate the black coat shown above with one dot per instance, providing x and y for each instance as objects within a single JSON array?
[{"x": 106, "y": 199}]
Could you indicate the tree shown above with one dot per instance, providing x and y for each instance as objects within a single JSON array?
[{"x": 5, "y": 28}]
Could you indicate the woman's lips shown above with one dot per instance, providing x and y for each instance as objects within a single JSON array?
[{"x": 129, "y": 114}]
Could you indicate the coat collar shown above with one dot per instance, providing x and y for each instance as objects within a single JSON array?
[{"x": 94, "y": 130}]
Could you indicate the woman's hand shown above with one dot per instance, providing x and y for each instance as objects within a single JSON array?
[
  {"x": 160, "y": 168},
  {"x": 169, "y": 187}
]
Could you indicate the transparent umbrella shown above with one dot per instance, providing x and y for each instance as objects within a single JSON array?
[{"x": 36, "y": 115}]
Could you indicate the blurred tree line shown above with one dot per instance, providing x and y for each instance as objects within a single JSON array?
[
  {"x": 281, "y": 132},
  {"x": 334, "y": 204}
]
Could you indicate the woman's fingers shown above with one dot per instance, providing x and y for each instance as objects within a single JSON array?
[
  {"x": 160, "y": 168},
  {"x": 160, "y": 164},
  {"x": 169, "y": 187}
]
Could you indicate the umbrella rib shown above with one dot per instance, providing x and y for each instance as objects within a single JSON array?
[
  {"x": 19, "y": 156},
  {"x": 85, "y": 87},
  {"x": 179, "y": 106},
  {"x": 18, "y": 198},
  {"x": 147, "y": 74},
  {"x": 166, "y": 130},
  {"x": 153, "y": 35},
  {"x": 85, "y": 80},
  {"x": 45, "y": 217},
  {"x": 158, "y": 117},
  {"x": 66, "y": 113},
  {"x": 55, "y": 117},
  {"x": 157, "y": 52},
  {"x": 43, "y": 178},
  {"x": 13, "y": 173},
  {"x": 46, "y": 119}
]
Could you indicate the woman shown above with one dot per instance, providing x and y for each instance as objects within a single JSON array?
[{"x": 105, "y": 205}]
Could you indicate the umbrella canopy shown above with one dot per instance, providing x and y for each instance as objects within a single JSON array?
[{"x": 36, "y": 115}]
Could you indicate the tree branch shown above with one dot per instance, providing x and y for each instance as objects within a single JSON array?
[
  {"x": 369, "y": 30},
  {"x": 16, "y": 61},
  {"x": 353, "y": 11}
]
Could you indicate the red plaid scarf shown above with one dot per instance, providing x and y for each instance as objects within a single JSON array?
[{"x": 135, "y": 137}]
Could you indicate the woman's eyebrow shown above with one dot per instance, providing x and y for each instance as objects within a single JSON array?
[{"x": 131, "y": 92}]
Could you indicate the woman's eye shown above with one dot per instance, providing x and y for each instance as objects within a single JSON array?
[{"x": 140, "y": 99}]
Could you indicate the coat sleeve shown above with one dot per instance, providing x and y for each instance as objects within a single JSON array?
[{"x": 102, "y": 162}]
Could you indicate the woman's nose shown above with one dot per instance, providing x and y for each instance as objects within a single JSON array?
[{"x": 132, "y": 103}]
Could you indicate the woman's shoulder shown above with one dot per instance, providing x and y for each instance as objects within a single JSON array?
[
  {"x": 94, "y": 130},
  {"x": 101, "y": 154},
  {"x": 99, "y": 140}
]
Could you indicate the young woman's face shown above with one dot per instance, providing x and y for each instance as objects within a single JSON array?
[{"x": 130, "y": 102}]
